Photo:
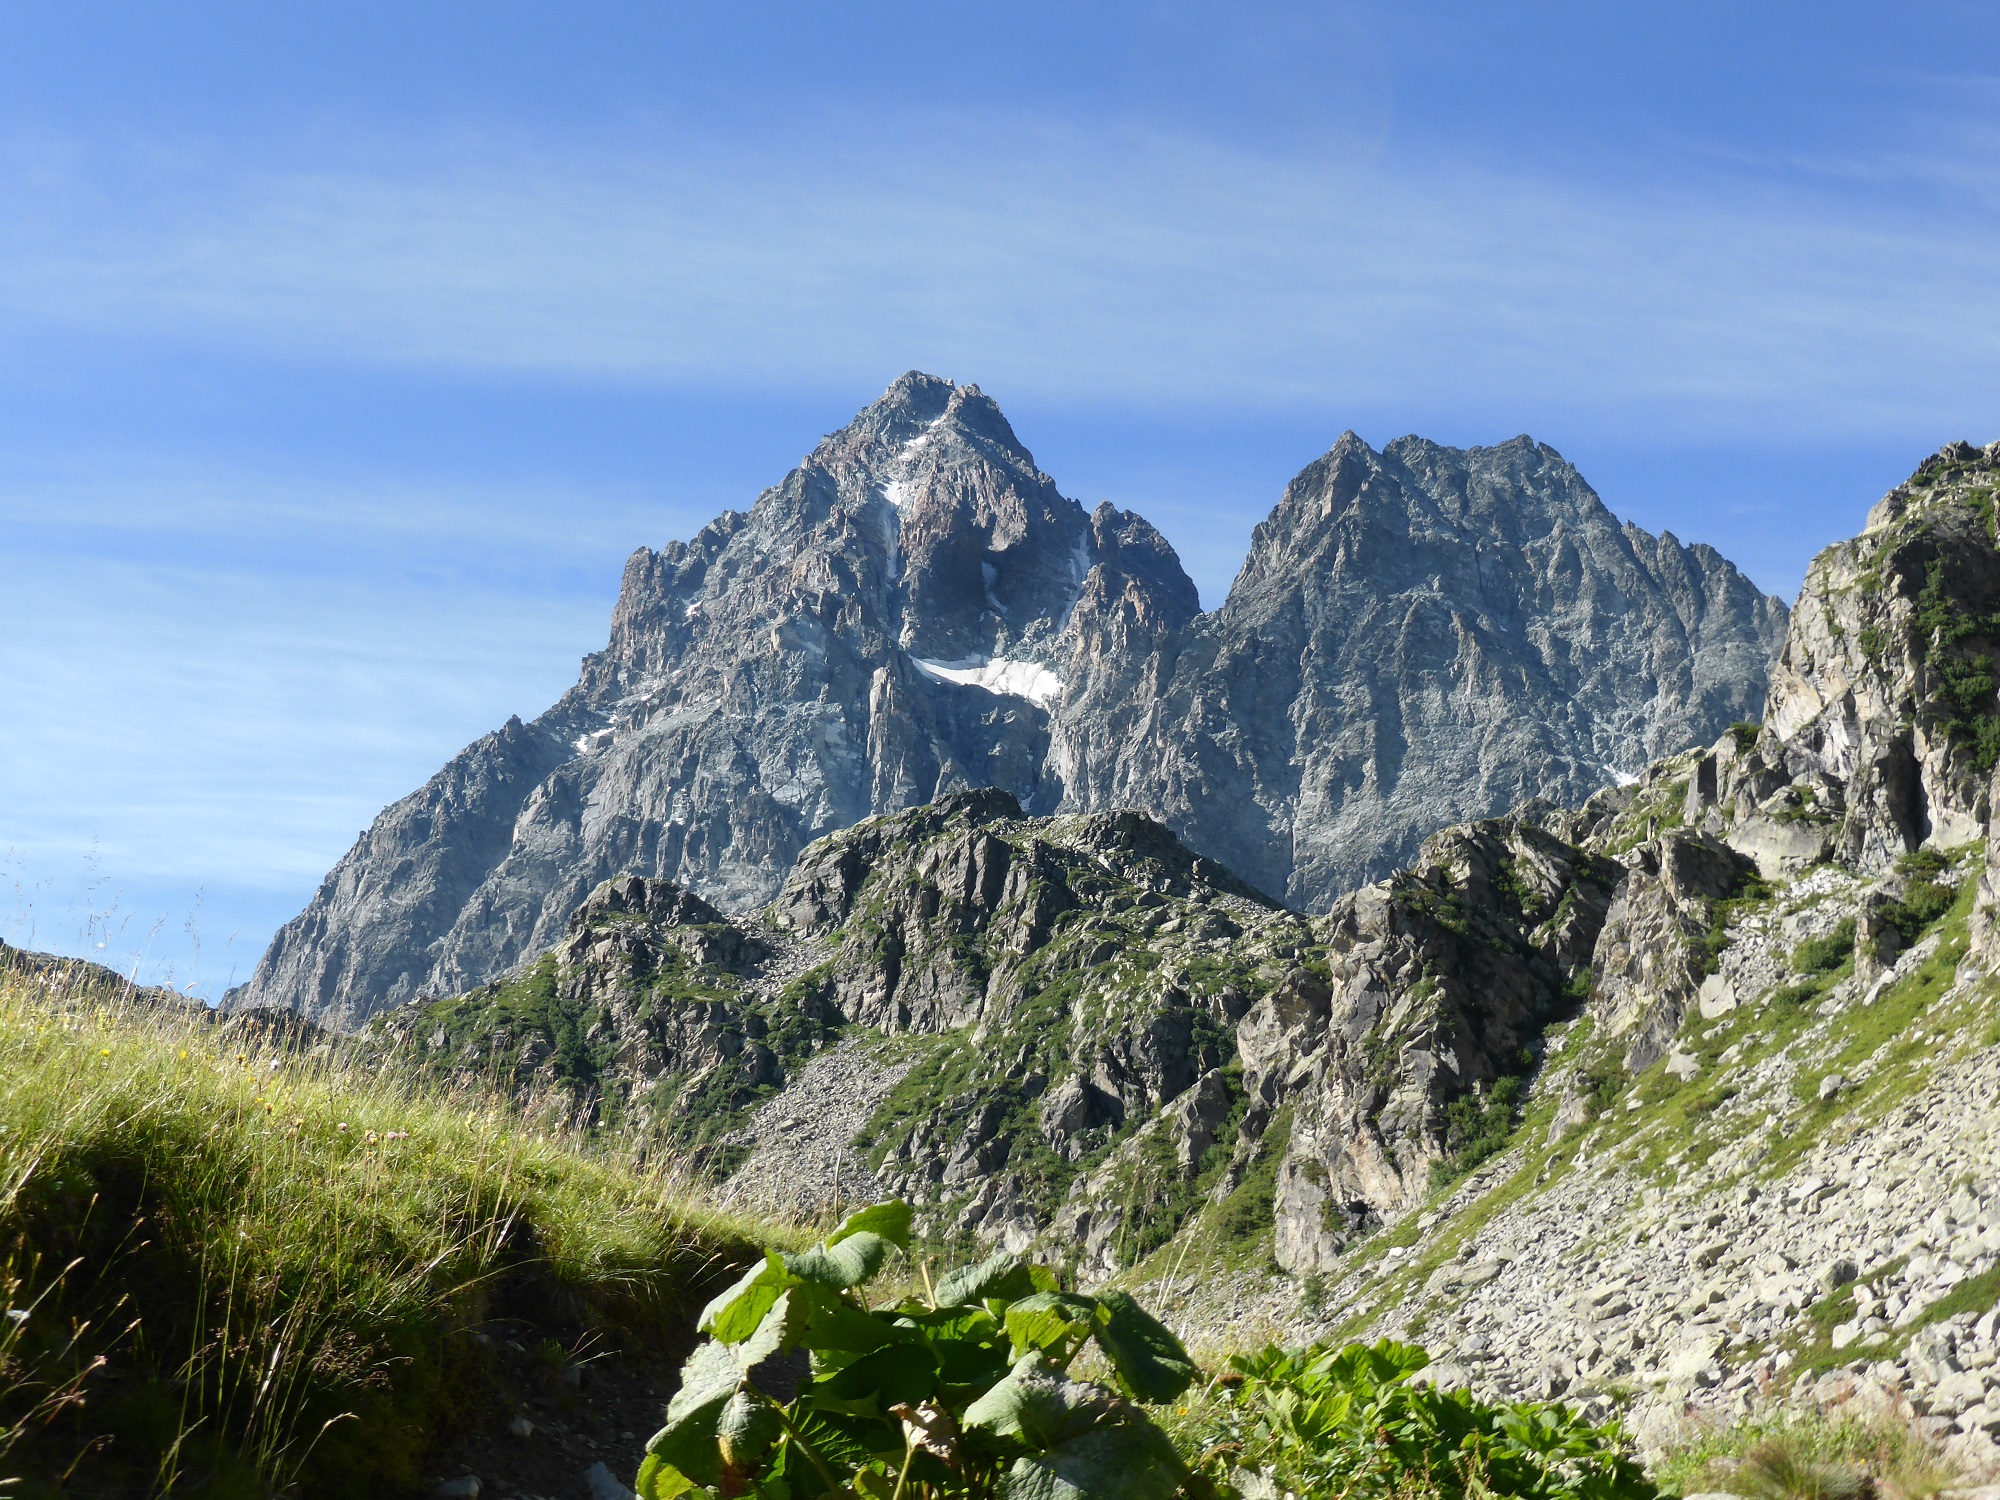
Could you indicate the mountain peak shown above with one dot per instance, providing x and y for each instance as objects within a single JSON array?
[
  {"x": 917, "y": 610},
  {"x": 918, "y": 405}
]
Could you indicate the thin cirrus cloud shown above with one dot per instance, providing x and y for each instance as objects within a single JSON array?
[
  {"x": 215, "y": 677},
  {"x": 217, "y": 672},
  {"x": 1125, "y": 268}
]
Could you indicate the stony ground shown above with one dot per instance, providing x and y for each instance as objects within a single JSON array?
[
  {"x": 790, "y": 1172},
  {"x": 1802, "y": 1207},
  {"x": 570, "y": 1425}
]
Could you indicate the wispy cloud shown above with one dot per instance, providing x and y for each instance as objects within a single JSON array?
[
  {"x": 218, "y": 680},
  {"x": 1145, "y": 269}
]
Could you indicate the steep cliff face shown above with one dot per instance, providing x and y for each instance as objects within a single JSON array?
[
  {"x": 1886, "y": 685},
  {"x": 1042, "y": 987},
  {"x": 1074, "y": 1031},
  {"x": 1440, "y": 983},
  {"x": 1866, "y": 784},
  {"x": 371, "y": 933},
  {"x": 1419, "y": 635},
  {"x": 1431, "y": 628},
  {"x": 887, "y": 625}
]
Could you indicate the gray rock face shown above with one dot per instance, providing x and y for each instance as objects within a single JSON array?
[
  {"x": 1651, "y": 957},
  {"x": 1885, "y": 690},
  {"x": 1440, "y": 981},
  {"x": 1075, "y": 1032},
  {"x": 1419, "y": 636},
  {"x": 1041, "y": 984},
  {"x": 1423, "y": 635}
]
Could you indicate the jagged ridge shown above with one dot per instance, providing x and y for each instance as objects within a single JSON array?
[{"x": 1419, "y": 635}]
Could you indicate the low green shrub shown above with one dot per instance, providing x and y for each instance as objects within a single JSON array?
[
  {"x": 1921, "y": 904},
  {"x": 1782, "y": 1454},
  {"x": 1823, "y": 954},
  {"x": 802, "y": 1389},
  {"x": 1478, "y": 1127},
  {"x": 1355, "y": 1422},
  {"x": 1796, "y": 996}
]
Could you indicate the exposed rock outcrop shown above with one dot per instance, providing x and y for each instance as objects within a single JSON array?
[
  {"x": 1077, "y": 1033},
  {"x": 1425, "y": 627},
  {"x": 1439, "y": 984},
  {"x": 1419, "y": 636},
  {"x": 1042, "y": 986},
  {"x": 1885, "y": 687}
]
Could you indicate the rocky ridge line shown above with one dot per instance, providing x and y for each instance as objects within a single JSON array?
[{"x": 1419, "y": 635}]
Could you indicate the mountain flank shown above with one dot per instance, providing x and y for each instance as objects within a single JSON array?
[
  {"x": 1419, "y": 635},
  {"x": 1712, "y": 1052}
]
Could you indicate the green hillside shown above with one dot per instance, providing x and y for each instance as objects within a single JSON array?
[{"x": 231, "y": 1267}]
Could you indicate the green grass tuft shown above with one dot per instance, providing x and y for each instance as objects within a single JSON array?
[{"x": 248, "y": 1267}]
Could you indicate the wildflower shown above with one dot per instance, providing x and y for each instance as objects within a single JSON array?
[
  {"x": 341, "y": 1127},
  {"x": 103, "y": 1051}
]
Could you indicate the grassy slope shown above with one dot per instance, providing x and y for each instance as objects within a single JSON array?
[{"x": 245, "y": 1267}]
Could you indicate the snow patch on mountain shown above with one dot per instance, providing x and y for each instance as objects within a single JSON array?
[{"x": 1017, "y": 679}]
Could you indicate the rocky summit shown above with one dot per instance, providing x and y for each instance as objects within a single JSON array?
[
  {"x": 1419, "y": 635},
  {"x": 1686, "y": 1097}
]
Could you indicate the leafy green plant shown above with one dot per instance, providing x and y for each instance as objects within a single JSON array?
[
  {"x": 1963, "y": 677},
  {"x": 1478, "y": 1127},
  {"x": 1600, "y": 1088},
  {"x": 1925, "y": 897},
  {"x": 1786, "y": 1454},
  {"x": 802, "y": 1389},
  {"x": 1796, "y": 996},
  {"x": 1352, "y": 1421},
  {"x": 1827, "y": 952}
]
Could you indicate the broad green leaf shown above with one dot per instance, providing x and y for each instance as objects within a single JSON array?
[
  {"x": 747, "y": 1431},
  {"x": 834, "y": 1323},
  {"x": 1118, "y": 1461},
  {"x": 900, "y": 1374},
  {"x": 1039, "y": 1406},
  {"x": 849, "y": 1263},
  {"x": 891, "y": 1220},
  {"x": 1001, "y": 1275},
  {"x": 733, "y": 1316},
  {"x": 845, "y": 1443},
  {"x": 1370, "y": 1366},
  {"x": 1394, "y": 1361},
  {"x": 1054, "y": 1324},
  {"x": 782, "y": 1328},
  {"x": 1151, "y": 1364},
  {"x": 688, "y": 1441},
  {"x": 971, "y": 1362},
  {"x": 660, "y": 1480}
]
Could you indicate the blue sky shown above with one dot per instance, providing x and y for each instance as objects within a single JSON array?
[{"x": 346, "y": 350}]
